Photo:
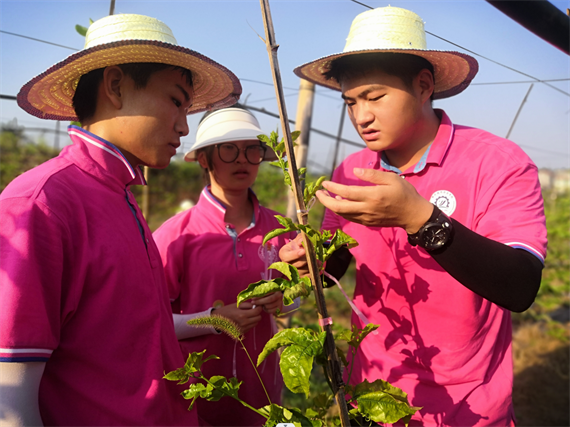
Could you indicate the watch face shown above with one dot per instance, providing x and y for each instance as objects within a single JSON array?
[{"x": 435, "y": 236}]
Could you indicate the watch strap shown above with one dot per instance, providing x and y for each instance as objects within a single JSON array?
[{"x": 414, "y": 239}]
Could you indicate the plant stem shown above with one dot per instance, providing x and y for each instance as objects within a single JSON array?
[
  {"x": 202, "y": 377},
  {"x": 255, "y": 369},
  {"x": 353, "y": 353}
]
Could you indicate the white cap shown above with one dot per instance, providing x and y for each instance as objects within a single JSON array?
[{"x": 226, "y": 125}]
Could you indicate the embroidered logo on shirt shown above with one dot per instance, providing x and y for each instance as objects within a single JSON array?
[
  {"x": 445, "y": 201},
  {"x": 268, "y": 255}
]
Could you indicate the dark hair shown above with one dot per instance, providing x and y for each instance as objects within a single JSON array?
[
  {"x": 403, "y": 65},
  {"x": 85, "y": 97}
]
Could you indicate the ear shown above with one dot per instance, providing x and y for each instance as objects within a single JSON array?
[
  {"x": 112, "y": 86},
  {"x": 201, "y": 157},
  {"x": 426, "y": 84}
]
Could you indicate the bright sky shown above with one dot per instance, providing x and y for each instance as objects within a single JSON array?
[{"x": 227, "y": 31}]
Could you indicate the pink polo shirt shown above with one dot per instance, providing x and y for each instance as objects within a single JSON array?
[
  {"x": 445, "y": 346},
  {"x": 206, "y": 263},
  {"x": 82, "y": 289}
]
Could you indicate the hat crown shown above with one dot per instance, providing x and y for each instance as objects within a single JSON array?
[
  {"x": 227, "y": 124},
  {"x": 386, "y": 28},
  {"x": 121, "y": 27}
]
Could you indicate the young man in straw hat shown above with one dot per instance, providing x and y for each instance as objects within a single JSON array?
[
  {"x": 86, "y": 331},
  {"x": 449, "y": 221}
]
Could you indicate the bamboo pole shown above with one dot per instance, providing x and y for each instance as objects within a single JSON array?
[
  {"x": 333, "y": 365},
  {"x": 338, "y": 137},
  {"x": 303, "y": 124}
]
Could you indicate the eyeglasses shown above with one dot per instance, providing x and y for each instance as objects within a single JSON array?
[{"x": 229, "y": 152}]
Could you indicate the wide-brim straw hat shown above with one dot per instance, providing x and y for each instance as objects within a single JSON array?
[
  {"x": 392, "y": 29},
  {"x": 121, "y": 39},
  {"x": 227, "y": 125}
]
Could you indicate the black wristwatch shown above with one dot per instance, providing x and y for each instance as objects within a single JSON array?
[{"x": 435, "y": 234}]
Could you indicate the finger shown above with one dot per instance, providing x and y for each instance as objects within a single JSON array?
[
  {"x": 374, "y": 176},
  {"x": 341, "y": 207},
  {"x": 268, "y": 299},
  {"x": 246, "y": 305},
  {"x": 250, "y": 323},
  {"x": 291, "y": 255}
]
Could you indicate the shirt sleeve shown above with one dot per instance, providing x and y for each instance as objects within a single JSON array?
[
  {"x": 33, "y": 267},
  {"x": 512, "y": 211}
]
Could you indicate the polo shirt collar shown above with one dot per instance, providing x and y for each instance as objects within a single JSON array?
[
  {"x": 216, "y": 210},
  {"x": 101, "y": 158},
  {"x": 437, "y": 150}
]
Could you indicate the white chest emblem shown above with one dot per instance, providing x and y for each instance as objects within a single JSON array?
[
  {"x": 268, "y": 255},
  {"x": 445, "y": 201}
]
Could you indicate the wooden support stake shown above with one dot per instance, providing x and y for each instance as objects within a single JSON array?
[
  {"x": 333, "y": 366},
  {"x": 302, "y": 124}
]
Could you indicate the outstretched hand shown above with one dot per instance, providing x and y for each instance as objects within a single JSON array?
[
  {"x": 246, "y": 316},
  {"x": 294, "y": 254},
  {"x": 392, "y": 202}
]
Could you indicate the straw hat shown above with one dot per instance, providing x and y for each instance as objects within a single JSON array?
[
  {"x": 227, "y": 125},
  {"x": 392, "y": 29},
  {"x": 121, "y": 39}
]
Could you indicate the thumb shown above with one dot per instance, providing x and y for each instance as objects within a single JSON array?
[{"x": 371, "y": 175}]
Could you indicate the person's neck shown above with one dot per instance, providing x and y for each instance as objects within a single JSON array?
[
  {"x": 239, "y": 208},
  {"x": 104, "y": 129},
  {"x": 419, "y": 140}
]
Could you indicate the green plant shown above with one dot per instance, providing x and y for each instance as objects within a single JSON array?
[{"x": 302, "y": 347}]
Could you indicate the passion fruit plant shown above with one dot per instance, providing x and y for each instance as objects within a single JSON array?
[{"x": 301, "y": 348}]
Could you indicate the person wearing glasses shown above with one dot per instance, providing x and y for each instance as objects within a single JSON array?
[{"x": 213, "y": 251}]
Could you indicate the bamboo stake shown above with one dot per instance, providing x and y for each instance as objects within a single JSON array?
[{"x": 333, "y": 367}]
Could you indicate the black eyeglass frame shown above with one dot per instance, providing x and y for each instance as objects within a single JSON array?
[{"x": 238, "y": 150}]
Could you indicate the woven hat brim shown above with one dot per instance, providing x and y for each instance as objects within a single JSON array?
[
  {"x": 453, "y": 71},
  {"x": 50, "y": 94}
]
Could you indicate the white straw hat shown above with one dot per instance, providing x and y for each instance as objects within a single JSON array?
[
  {"x": 392, "y": 29},
  {"x": 121, "y": 39},
  {"x": 227, "y": 125}
]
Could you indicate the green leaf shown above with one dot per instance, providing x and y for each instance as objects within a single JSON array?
[
  {"x": 284, "y": 268},
  {"x": 382, "y": 402},
  {"x": 286, "y": 222},
  {"x": 193, "y": 364},
  {"x": 277, "y": 414},
  {"x": 355, "y": 337},
  {"x": 216, "y": 388},
  {"x": 197, "y": 390},
  {"x": 265, "y": 139},
  {"x": 274, "y": 233},
  {"x": 311, "y": 188},
  {"x": 258, "y": 290},
  {"x": 180, "y": 375},
  {"x": 302, "y": 289},
  {"x": 196, "y": 360},
  {"x": 81, "y": 30},
  {"x": 225, "y": 387},
  {"x": 295, "y": 134},
  {"x": 338, "y": 240},
  {"x": 296, "y": 363}
]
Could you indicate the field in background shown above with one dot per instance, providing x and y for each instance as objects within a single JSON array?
[{"x": 541, "y": 335}]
